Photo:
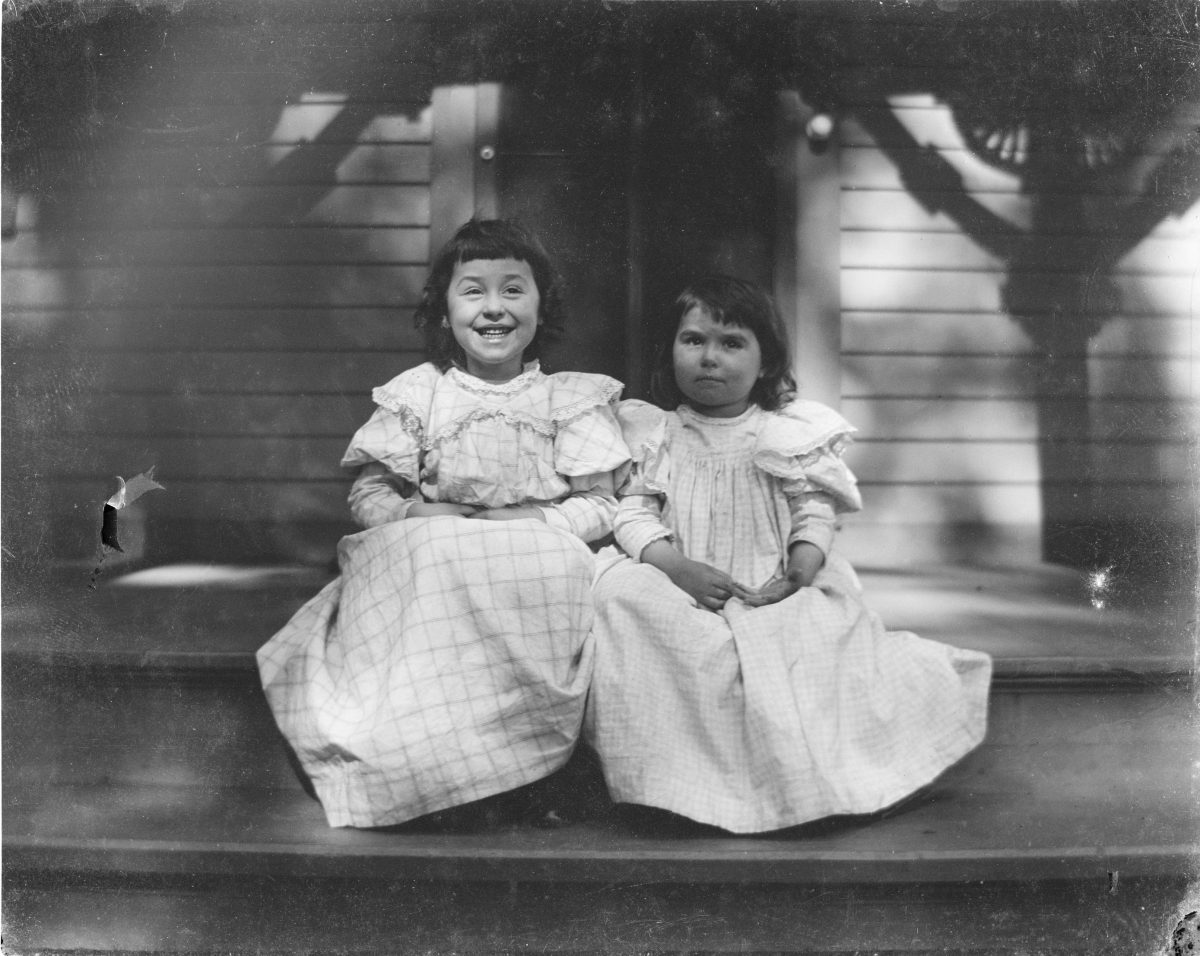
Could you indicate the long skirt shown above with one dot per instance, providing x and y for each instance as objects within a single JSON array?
[
  {"x": 756, "y": 719},
  {"x": 449, "y": 661}
]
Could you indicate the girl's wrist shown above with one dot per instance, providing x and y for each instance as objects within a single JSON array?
[
  {"x": 663, "y": 555},
  {"x": 800, "y": 577},
  {"x": 805, "y": 559}
]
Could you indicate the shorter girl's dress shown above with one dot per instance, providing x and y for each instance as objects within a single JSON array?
[
  {"x": 451, "y": 659},
  {"x": 756, "y": 719}
]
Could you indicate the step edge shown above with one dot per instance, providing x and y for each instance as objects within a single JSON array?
[
  {"x": 1150, "y": 670},
  {"x": 814, "y": 867}
]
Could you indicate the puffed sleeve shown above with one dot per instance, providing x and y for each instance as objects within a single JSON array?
[
  {"x": 386, "y": 451},
  {"x": 377, "y": 496},
  {"x": 588, "y": 448},
  {"x": 644, "y": 428},
  {"x": 587, "y": 436},
  {"x": 639, "y": 523},
  {"x": 803, "y": 444}
]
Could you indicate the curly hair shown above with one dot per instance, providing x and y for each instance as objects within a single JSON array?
[
  {"x": 488, "y": 239},
  {"x": 730, "y": 301}
]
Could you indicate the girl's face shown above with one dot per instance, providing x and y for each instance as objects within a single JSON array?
[
  {"x": 716, "y": 365},
  {"x": 492, "y": 310}
]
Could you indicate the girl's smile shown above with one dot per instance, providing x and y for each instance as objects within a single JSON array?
[
  {"x": 492, "y": 309},
  {"x": 716, "y": 365}
]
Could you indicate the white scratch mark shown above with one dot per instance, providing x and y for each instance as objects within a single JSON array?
[{"x": 1098, "y": 585}]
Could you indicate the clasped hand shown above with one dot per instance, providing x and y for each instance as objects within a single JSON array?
[
  {"x": 427, "y": 509},
  {"x": 774, "y": 591},
  {"x": 509, "y": 513},
  {"x": 712, "y": 588}
]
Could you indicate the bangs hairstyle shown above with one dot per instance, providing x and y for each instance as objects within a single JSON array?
[
  {"x": 488, "y": 239},
  {"x": 735, "y": 302}
]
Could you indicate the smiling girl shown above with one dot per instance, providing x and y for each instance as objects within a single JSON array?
[
  {"x": 450, "y": 660},
  {"x": 740, "y": 680}
]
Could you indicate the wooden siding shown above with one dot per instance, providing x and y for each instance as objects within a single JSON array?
[
  {"x": 218, "y": 302},
  {"x": 942, "y": 381},
  {"x": 211, "y": 275},
  {"x": 562, "y": 171}
]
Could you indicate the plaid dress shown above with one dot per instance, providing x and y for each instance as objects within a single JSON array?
[
  {"x": 755, "y": 719},
  {"x": 451, "y": 658}
]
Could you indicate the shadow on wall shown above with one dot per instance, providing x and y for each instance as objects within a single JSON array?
[
  {"x": 197, "y": 280},
  {"x": 1061, "y": 285}
]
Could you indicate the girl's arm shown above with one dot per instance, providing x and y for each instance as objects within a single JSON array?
[
  {"x": 813, "y": 525},
  {"x": 710, "y": 587},
  {"x": 587, "y": 512},
  {"x": 640, "y": 532},
  {"x": 805, "y": 559},
  {"x": 378, "y": 496},
  {"x": 375, "y": 498}
]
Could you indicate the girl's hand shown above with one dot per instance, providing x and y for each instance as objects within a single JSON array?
[
  {"x": 428, "y": 509},
  {"x": 510, "y": 513},
  {"x": 804, "y": 561},
  {"x": 773, "y": 591},
  {"x": 710, "y": 587}
]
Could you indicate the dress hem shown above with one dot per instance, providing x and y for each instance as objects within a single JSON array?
[
  {"x": 913, "y": 782},
  {"x": 336, "y": 791}
]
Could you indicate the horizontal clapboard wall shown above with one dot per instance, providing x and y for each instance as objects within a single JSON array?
[
  {"x": 219, "y": 301},
  {"x": 215, "y": 278},
  {"x": 942, "y": 382}
]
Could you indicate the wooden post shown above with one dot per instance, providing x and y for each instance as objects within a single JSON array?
[
  {"x": 807, "y": 251},
  {"x": 1063, "y": 393},
  {"x": 637, "y": 368},
  {"x": 462, "y": 158},
  {"x": 487, "y": 128}
]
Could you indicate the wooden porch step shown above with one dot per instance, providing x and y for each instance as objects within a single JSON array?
[
  {"x": 151, "y": 678},
  {"x": 978, "y": 868},
  {"x": 1039, "y": 623},
  {"x": 1004, "y": 814},
  {"x": 148, "y": 804}
]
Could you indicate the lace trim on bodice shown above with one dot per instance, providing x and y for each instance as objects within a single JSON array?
[
  {"x": 409, "y": 419},
  {"x": 477, "y": 386},
  {"x": 403, "y": 401},
  {"x": 689, "y": 414},
  {"x": 786, "y": 444},
  {"x": 404, "y": 398}
]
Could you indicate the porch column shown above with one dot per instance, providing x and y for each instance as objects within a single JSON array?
[
  {"x": 808, "y": 251},
  {"x": 462, "y": 158}
]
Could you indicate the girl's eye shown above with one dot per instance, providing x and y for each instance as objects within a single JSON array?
[
  {"x": 514, "y": 290},
  {"x": 734, "y": 344}
]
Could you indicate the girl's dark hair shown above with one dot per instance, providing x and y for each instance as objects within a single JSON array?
[
  {"x": 729, "y": 301},
  {"x": 488, "y": 239}
]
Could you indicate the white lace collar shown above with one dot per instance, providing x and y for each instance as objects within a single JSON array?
[
  {"x": 687, "y": 413},
  {"x": 464, "y": 379}
]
